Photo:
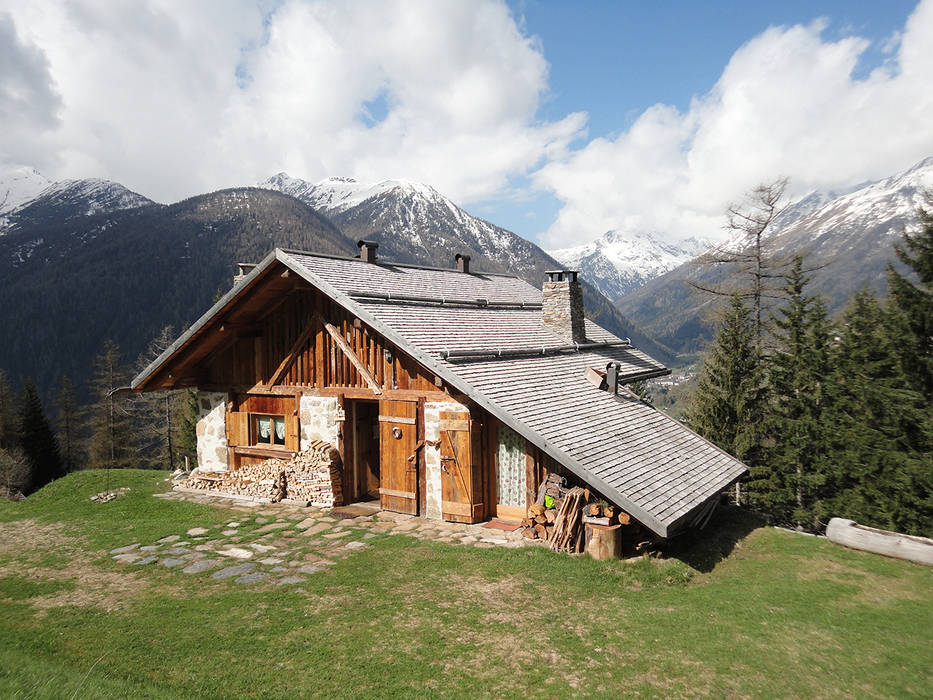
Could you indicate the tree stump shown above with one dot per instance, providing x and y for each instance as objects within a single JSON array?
[{"x": 603, "y": 541}]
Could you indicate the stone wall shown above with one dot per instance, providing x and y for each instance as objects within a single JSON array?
[
  {"x": 212, "y": 431},
  {"x": 317, "y": 417},
  {"x": 432, "y": 454}
]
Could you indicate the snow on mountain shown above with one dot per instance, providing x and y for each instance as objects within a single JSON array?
[
  {"x": 34, "y": 198},
  {"x": 410, "y": 219},
  {"x": 618, "y": 263},
  {"x": 20, "y": 185}
]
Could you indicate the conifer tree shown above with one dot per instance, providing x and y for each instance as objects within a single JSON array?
[
  {"x": 111, "y": 441},
  {"x": 157, "y": 415},
  {"x": 798, "y": 375},
  {"x": 67, "y": 425},
  {"x": 915, "y": 301},
  {"x": 881, "y": 434},
  {"x": 728, "y": 403},
  {"x": 9, "y": 423},
  {"x": 38, "y": 440}
]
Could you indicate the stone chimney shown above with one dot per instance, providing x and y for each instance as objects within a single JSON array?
[
  {"x": 463, "y": 262},
  {"x": 562, "y": 305},
  {"x": 242, "y": 269},
  {"x": 367, "y": 250}
]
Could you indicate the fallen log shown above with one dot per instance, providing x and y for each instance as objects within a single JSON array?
[{"x": 890, "y": 544}]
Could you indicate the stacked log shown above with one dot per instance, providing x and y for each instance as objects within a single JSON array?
[{"x": 311, "y": 476}]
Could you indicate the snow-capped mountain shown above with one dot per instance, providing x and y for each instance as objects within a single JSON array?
[
  {"x": 847, "y": 238},
  {"x": 26, "y": 195},
  {"x": 618, "y": 263},
  {"x": 412, "y": 222}
]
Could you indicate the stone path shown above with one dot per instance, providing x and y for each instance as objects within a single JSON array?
[{"x": 285, "y": 544}]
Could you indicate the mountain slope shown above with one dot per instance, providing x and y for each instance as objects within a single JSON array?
[
  {"x": 414, "y": 223},
  {"x": 59, "y": 201},
  {"x": 69, "y": 284},
  {"x": 618, "y": 263},
  {"x": 849, "y": 237}
]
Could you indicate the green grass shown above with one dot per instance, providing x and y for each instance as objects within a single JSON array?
[{"x": 739, "y": 610}]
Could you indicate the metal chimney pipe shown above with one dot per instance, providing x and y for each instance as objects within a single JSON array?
[{"x": 463, "y": 262}]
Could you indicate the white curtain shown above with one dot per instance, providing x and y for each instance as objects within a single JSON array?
[{"x": 511, "y": 468}]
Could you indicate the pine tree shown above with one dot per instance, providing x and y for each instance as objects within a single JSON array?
[
  {"x": 112, "y": 441},
  {"x": 157, "y": 415},
  {"x": 67, "y": 425},
  {"x": 38, "y": 440},
  {"x": 798, "y": 374},
  {"x": 881, "y": 472},
  {"x": 915, "y": 302},
  {"x": 728, "y": 403},
  {"x": 9, "y": 423}
]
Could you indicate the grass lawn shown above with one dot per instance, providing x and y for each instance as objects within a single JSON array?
[{"x": 742, "y": 610}]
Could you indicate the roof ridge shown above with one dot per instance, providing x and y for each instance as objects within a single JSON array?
[{"x": 390, "y": 263}]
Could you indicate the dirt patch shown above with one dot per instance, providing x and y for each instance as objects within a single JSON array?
[{"x": 93, "y": 586}]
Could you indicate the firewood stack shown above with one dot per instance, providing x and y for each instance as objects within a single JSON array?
[{"x": 311, "y": 476}]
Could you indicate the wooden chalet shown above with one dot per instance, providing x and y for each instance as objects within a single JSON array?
[{"x": 449, "y": 393}]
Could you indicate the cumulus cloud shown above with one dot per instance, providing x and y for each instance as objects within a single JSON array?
[
  {"x": 787, "y": 104},
  {"x": 176, "y": 98}
]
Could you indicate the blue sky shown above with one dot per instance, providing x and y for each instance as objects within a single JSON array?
[
  {"x": 614, "y": 60},
  {"x": 558, "y": 120}
]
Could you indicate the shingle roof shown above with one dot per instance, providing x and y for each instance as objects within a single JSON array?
[{"x": 648, "y": 463}]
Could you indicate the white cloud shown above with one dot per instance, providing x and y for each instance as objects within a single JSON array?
[
  {"x": 174, "y": 98},
  {"x": 786, "y": 104}
]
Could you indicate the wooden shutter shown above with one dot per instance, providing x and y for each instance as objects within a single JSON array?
[
  {"x": 398, "y": 476},
  {"x": 237, "y": 428},
  {"x": 461, "y": 481},
  {"x": 292, "y": 433}
]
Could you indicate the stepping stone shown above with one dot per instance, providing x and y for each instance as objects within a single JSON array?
[
  {"x": 289, "y": 579},
  {"x": 444, "y": 539},
  {"x": 233, "y": 524},
  {"x": 327, "y": 519},
  {"x": 305, "y": 524},
  {"x": 197, "y": 531},
  {"x": 469, "y": 539},
  {"x": 293, "y": 564},
  {"x": 260, "y": 520},
  {"x": 236, "y": 570},
  {"x": 145, "y": 560},
  {"x": 273, "y": 526},
  {"x": 236, "y": 553},
  {"x": 369, "y": 535},
  {"x": 204, "y": 548},
  {"x": 127, "y": 558},
  {"x": 170, "y": 538},
  {"x": 494, "y": 540},
  {"x": 270, "y": 561},
  {"x": 228, "y": 533},
  {"x": 191, "y": 556},
  {"x": 355, "y": 545},
  {"x": 124, "y": 550},
  {"x": 320, "y": 527},
  {"x": 151, "y": 548},
  {"x": 254, "y": 577},
  {"x": 177, "y": 550},
  {"x": 262, "y": 547},
  {"x": 172, "y": 563},
  {"x": 334, "y": 535},
  {"x": 278, "y": 569},
  {"x": 406, "y": 526},
  {"x": 310, "y": 569},
  {"x": 201, "y": 566}
]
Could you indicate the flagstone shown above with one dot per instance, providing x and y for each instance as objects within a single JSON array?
[
  {"x": 124, "y": 550},
  {"x": 235, "y": 570}
]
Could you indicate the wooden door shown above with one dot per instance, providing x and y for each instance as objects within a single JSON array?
[
  {"x": 398, "y": 460},
  {"x": 461, "y": 476}
]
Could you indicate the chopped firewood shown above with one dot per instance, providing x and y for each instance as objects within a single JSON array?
[
  {"x": 624, "y": 518},
  {"x": 550, "y": 515},
  {"x": 541, "y": 519},
  {"x": 526, "y": 522},
  {"x": 537, "y": 509},
  {"x": 609, "y": 510},
  {"x": 530, "y": 533},
  {"x": 594, "y": 509},
  {"x": 541, "y": 530}
]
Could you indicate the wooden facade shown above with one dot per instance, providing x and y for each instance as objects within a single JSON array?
[{"x": 284, "y": 339}]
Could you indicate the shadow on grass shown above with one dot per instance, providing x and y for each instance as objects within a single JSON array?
[{"x": 704, "y": 549}]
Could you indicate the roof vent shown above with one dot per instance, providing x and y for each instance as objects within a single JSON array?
[
  {"x": 367, "y": 250},
  {"x": 463, "y": 262},
  {"x": 562, "y": 305}
]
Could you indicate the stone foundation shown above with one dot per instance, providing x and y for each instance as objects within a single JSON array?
[
  {"x": 212, "y": 431},
  {"x": 432, "y": 454}
]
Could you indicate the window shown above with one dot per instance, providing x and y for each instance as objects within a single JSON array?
[{"x": 270, "y": 430}]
